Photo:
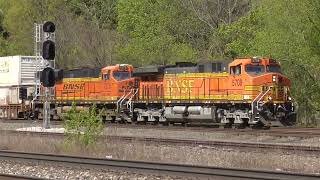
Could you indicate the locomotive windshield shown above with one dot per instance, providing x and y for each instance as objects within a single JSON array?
[
  {"x": 274, "y": 68},
  {"x": 121, "y": 75},
  {"x": 255, "y": 69}
]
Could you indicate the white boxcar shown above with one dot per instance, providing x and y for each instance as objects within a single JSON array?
[
  {"x": 4, "y": 94},
  {"x": 9, "y": 95},
  {"x": 16, "y": 73},
  {"x": 19, "y": 70}
]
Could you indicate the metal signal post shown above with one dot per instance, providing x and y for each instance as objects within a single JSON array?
[
  {"x": 46, "y": 109},
  {"x": 48, "y": 77},
  {"x": 45, "y": 45}
]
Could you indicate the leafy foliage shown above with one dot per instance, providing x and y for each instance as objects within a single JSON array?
[
  {"x": 152, "y": 33},
  {"x": 83, "y": 126}
]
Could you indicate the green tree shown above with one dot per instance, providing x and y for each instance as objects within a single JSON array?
[
  {"x": 17, "y": 21},
  {"x": 101, "y": 12},
  {"x": 152, "y": 32}
]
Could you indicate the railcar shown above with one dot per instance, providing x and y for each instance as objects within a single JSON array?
[{"x": 245, "y": 92}]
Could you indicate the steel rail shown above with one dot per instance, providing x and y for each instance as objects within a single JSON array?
[
  {"x": 221, "y": 143},
  {"x": 17, "y": 177},
  {"x": 275, "y": 131},
  {"x": 188, "y": 142},
  {"x": 162, "y": 168}
]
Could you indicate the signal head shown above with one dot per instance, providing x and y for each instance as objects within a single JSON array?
[
  {"x": 48, "y": 50},
  {"x": 49, "y": 27},
  {"x": 47, "y": 77}
]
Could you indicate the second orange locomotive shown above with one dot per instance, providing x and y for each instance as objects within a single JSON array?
[{"x": 246, "y": 92}]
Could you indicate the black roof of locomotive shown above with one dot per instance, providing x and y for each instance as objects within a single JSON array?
[
  {"x": 82, "y": 72},
  {"x": 160, "y": 69},
  {"x": 148, "y": 70},
  {"x": 182, "y": 67}
]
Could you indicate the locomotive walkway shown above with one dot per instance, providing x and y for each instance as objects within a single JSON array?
[{"x": 154, "y": 168}]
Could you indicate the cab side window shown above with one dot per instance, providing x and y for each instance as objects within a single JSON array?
[
  {"x": 235, "y": 70},
  {"x": 106, "y": 76}
]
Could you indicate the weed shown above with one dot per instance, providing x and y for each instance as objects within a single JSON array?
[{"x": 83, "y": 126}]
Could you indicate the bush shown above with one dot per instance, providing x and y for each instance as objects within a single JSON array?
[{"x": 83, "y": 126}]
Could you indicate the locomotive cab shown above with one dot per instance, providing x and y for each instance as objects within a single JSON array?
[
  {"x": 119, "y": 72},
  {"x": 266, "y": 88},
  {"x": 118, "y": 78}
]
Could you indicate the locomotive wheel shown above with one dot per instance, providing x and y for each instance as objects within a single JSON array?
[
  {"x": 239, "y": 126},
  {"x": 155, "y": 123},
  {"x": 164, "y": 124},
  {"x": 225, "y": 126},
  {"x": 259, "y": 125}
]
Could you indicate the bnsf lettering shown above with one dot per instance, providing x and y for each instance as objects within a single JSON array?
[
  {"x": 73, "y": 86},
  {"x": 180, "y": 86}
]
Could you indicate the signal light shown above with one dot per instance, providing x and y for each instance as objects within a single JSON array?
[
  {"x": 48, "y": 45},
  {"x": 47, "y": 77},
  {"x": 23, "y": 93},
  {"x": 49, "y": 27},
  {"x": 48, "y": 50}
]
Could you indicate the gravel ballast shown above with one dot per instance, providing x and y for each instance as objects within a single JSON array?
[
  {"x": 277, "y": 160},
  {"x": 51, "y": 171}
]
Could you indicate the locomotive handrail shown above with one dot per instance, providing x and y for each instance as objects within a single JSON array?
[
  {"x": 129, "y": 103},
  {"x": 263, "y": 96},
  {"x": 260, "y": 97},
  {"x": 124, "y": 93}
]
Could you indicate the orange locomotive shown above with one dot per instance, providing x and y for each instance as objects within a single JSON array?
[
  {"x": 112, "y": 82},
  {"x": 247, "y": 92}
]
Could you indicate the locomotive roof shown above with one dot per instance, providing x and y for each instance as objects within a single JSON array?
[
  {"x": 81, "y": 72},
  {"x": 245, "y": 61},
  {"x": 181, "y": 67}
]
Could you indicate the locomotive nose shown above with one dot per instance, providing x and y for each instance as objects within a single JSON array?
[
  {"x": 279, "y": 87},
  {"x": 279, "y": 79}
]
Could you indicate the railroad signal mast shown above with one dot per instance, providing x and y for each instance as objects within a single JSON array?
[{"x": 45, "y": 46}]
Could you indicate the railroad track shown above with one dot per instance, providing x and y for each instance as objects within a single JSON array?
[
  {"x": 275, "y": 131},
  {"x": 185, "y": 142},
  {"x": 155, "y": 168},
  {"x": 232, "y": 144},
  {"x": 17, "y": 177}
]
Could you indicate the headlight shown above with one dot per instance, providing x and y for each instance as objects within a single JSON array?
[
  {"x": 274, "y": 78},
  {"x": 289, "y": 98},
  {"x": 269, "y": 98}
]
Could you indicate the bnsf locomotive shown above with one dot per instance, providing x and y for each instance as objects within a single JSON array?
[{"x": 246, "y": 92}]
